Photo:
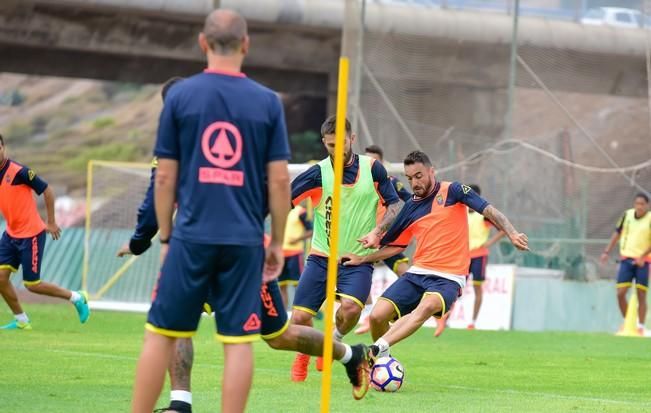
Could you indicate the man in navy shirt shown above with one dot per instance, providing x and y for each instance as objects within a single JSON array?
[
  {"x": 222, "y": 155},
  {"x": 274, "y": 324}
]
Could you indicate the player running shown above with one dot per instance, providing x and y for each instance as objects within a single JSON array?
[
  {"x": 299, "y": 228},
  {"x": 479, "y": 228},
  {"x": 437, "y": 218},
  {"x": 634, "y": 234},
  {"x": 366, "y": 186},
  {"x": 23, "y": 240}
]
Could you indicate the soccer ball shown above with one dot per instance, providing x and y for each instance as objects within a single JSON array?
[{"x": 387, "y": 374}]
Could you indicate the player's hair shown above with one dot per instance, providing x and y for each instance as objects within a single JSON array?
[
  {"x": 2, "y": 140},
  {"x": 417, "y": 157},
  {"x": 328, "y": 127},
  {"x": 168, "y": 84},
  {"x": 376, "y": 150},
  {"x": 643, "y": 196},
  {"x": 475, "y": 188},
  {"x": 225, "y": 30}
]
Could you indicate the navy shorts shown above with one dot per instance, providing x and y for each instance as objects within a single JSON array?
[
  {"x": 407, "y": 291},
  {"x": 393, "y": 262},
  {"x": 478, "y": 269},
  {"x": 27, "y": 252},
  {"x": 629, "y": 271},
  {"x": 353, "y": 283},
  {"x": 227, "y": 277},
  {"x": 292, "y": 270},
  {"x": 274, "y": 316}
]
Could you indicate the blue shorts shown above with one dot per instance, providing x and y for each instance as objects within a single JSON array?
[
  {"x": 353, "y": 283},
  {"x": 393, "y": 262},
  {"x": 27, "y": 252},
  {"x": 407, "y": 291},
  {"x": 273, "y": 319},
  {"x": 629, "y": 271},
  {"x": 478, "y": 269},
  {"x": 274, "y": 316},
  {"x": 292, "y": 270},
  {"x": 227, "y": 277}
]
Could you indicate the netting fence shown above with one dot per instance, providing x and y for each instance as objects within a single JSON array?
[{"x": 558, "y": 139}]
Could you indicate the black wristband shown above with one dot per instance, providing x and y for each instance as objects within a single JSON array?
[{"x": 164, "y": 241}]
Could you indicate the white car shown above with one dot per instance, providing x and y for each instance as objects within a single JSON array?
[{"x": 614, "y": 16}]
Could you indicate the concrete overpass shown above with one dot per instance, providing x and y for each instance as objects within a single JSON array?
[{"x": 296, "y": 45}]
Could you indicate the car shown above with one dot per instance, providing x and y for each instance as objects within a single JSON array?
[{"x": 613, "y": 16}]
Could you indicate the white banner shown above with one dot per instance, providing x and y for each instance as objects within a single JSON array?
[{"x": 497, "y": 305}]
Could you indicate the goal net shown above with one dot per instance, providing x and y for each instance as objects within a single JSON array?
[{"x": 114, "y": 194}]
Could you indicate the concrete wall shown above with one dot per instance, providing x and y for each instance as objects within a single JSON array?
[{"x": 550, "y": 304}]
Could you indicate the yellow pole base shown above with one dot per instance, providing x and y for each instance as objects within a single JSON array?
[{"x": 630, "y": 322}]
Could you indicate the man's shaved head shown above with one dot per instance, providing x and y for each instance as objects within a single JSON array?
[{"x": 225, "y": 31}]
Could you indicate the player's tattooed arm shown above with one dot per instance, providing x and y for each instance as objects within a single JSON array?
[
  {"x": 390, "y": 216},
  {"x": 519, "y": 240},
  {"x": 372, "y": 239}
]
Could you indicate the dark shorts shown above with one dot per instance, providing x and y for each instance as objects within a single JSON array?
[
  {"x": 27, "y": 252},
  {"x": 274, "y": 316},
  {"x": 407, "y": 291},
  {"x": 227, "y": 277},
  {"x": 629, "y": 271},
  {"x": 393, "y": 262},
  {"x": 274, "y": 320},
  {"x": 353, "y": 283},
  {"x": 478, "y": 269},
  {"x": 292, "y": 270}
]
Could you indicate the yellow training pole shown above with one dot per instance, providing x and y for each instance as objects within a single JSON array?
[
  {"x": 333, "y": 259},
  {"x": 89, "y": 189}
]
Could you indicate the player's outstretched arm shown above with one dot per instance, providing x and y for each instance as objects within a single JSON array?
[
  {"x": 518, "y": 239},
  {"x": 379, "y": 255},
  {"x": 372, "y": 239},
  {"x": 52, "y": 227}
]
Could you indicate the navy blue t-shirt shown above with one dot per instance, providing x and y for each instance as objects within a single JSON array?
[{"x": 224, "y": 129}]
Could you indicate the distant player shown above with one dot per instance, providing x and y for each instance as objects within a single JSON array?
[
  {"x": 479, "y": 233},
  {"x": 634, "y": 234},
  {"x": 23, "y": 240},
  {"x": 299, "y": 228},
  {"x": 366, "y": 186},
  {"x": 437, "y": 218},
  {"x": 223, "y": 149},
  {"x": 399, "y": 263}
]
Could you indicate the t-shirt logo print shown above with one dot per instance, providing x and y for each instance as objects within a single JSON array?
[{"x": 221, "y": 144}]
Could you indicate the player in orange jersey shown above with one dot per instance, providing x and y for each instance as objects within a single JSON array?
[
  {"x": 437, "y": 217},
  {"x": 23, "y": 240}
]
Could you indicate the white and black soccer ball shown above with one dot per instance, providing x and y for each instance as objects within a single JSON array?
[{"x": 387, "y": 374}]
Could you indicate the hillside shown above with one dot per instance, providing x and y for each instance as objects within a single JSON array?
[{"x": 56, "y": 125}]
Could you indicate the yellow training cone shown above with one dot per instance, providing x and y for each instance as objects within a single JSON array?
[{"x": 630, "y": 322}]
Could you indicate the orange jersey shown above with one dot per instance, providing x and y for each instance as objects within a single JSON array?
[
  {"x": 439, "y": 223},
  {"x": 17, "y": 203}
]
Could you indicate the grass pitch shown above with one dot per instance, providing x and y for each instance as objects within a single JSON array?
[{"x": 62, "y": 366}]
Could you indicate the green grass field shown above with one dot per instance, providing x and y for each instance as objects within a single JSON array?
[{"x": 62, "y": 366}]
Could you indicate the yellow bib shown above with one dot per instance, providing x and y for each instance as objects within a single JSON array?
[
  {"x": 293, "y": 230},
  {"x": 478, "y": 230},
  {"x": 635, "y": 237}
]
